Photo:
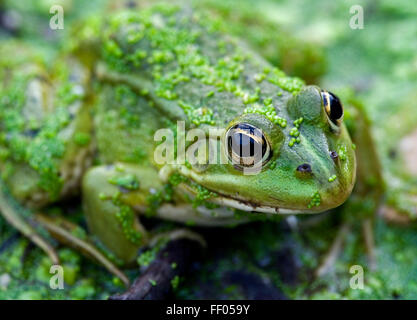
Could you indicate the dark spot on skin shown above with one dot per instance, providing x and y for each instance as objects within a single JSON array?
[
  {"x": 334, "y": 155},
  {"x": 304, "y": 168}
]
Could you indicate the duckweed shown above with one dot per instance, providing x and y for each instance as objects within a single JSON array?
[
  {"x": 126, "y": 218},
  {"x": 176, "y": 57},
  {"x": 315, "y": 200},
  {"x": 342, "y": 152},
  {"x": 332, "y": 178},
  {"x": 128, "y": 181},
  {"x": 269, "y": 112}
]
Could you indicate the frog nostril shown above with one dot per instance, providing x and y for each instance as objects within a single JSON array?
[
  {"x": 334, "y": 155},
  {"x": 305, "y": 167}
]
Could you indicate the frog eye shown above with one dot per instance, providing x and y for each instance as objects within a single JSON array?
[
  {"x": 333, "y": 107},
  {"x": 247, "y": 145}
]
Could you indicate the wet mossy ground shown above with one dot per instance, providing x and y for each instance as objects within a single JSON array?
[
  {"x": 279, "y": 263},
  {"x": 261, "y": 260},
  {"x": 267, "y": 260}
]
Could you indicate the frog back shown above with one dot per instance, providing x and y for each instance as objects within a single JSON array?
[{"x": 189, "y": 67}]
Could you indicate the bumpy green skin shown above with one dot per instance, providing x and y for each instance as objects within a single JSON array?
[
  {"x": 303, "y": 59},
  {"x": 154, "y": 67},
  {"x": 189, "y": 70},
  {"x": 45, "y": 125},
  {"x": 389, "y": 107}
]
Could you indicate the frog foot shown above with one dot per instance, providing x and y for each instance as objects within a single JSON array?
[
  {"x": 64, "y": 232},
  {"x": 14, "y": 218},
  {"x": 335, "y": 249}
]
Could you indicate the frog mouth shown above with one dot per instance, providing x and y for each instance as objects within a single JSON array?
[
  {"x": 239, "y": 204},
  {"x": 251, "y": 207}
]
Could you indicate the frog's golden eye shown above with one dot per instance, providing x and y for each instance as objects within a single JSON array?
[
  {"x": 333, "y": 107},
  {"x": 247, "y": 145}
]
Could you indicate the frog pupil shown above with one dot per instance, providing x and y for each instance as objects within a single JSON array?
[
  {"x": 243, "y": 145},
  {"x": 333, "y": 106},
  {"x": 244, "y": 141}
]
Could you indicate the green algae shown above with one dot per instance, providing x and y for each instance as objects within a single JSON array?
[
  {"x": 180, "y": 60},
  {"x": 128, "y": 181},
  {"x": 315, "y": 200},
  {"x": 125, "y": 214},
  {"x": 395, "y": 278}
]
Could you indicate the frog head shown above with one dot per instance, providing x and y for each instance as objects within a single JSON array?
[{"x": 304, "y": 159}]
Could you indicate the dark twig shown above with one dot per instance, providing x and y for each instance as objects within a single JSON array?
[{"x": 155, "y": 282}]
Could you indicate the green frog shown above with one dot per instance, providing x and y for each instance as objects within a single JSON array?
[{"x": 104, "y": 118}]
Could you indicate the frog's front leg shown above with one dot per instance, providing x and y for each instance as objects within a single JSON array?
[
  {"x": 112, "y": 195},
  {"x": 106, "y": 194}
]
